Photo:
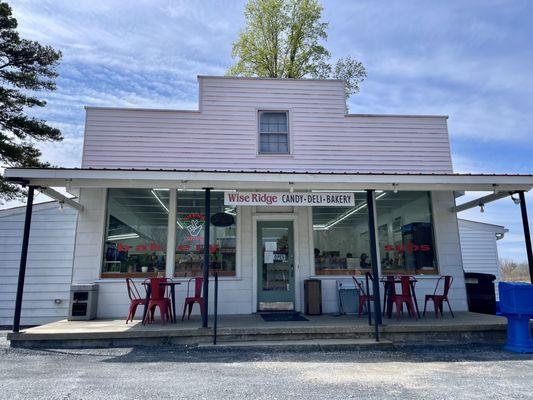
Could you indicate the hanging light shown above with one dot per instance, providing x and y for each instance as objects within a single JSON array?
[
  {"x": 61, "y": 204},
  {"x": 482, "y": 207},
  {"x": 291, "y": 187},
  {"x": 395, "y": 187},
  {"x": 495, "y": 188},
  {"x": 516, "y": 200}
]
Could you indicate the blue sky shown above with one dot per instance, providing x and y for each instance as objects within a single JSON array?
[{"x": 471, "y": 60}]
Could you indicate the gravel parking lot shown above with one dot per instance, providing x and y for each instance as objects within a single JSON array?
[{"x": 473, "y": 372}]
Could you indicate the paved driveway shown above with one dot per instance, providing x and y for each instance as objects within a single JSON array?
[{"x": 473, "y": 372}]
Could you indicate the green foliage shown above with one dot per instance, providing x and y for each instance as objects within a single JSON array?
[
  {"x": 282, "y": 39},
  {"x": 25, "y": 66}
]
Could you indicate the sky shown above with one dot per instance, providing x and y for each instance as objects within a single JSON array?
[{"x": 471, "y": 60}]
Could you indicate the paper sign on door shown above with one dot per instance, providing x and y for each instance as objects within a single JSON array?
[
  {"x": 268, "y": 257},
  {"x": 271, "y": 246}
]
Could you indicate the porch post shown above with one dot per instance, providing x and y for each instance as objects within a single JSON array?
[
  {"x": 23, "y": 259},
  {"x": 527, "y": 233},
  {"x": 171, "y": 234},
  {"x": 370, "y": 201},
  {"x": 207, "y": 225}
]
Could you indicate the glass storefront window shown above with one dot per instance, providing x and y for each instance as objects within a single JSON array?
[
  {"x": 405, "y": 233},
  {"x": 189, "y": 256},
  {"x": 136, "y": 232},
  {"x": 341, "y": 241}
]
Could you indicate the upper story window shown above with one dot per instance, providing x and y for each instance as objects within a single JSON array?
[{"x": 273, "y": 132}]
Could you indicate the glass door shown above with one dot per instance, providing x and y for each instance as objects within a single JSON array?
[{"x": 275, "y": 265}]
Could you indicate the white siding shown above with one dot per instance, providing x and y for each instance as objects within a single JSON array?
[
  {"x": 49, "y": 267},
  {"x": 223, "y": 133}
]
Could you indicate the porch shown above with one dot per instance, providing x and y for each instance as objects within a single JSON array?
[{"x": 344, "y": 330}]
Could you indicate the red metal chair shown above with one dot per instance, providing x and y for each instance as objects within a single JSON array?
[
  {"x": 197, "y": 298},
  {"x": 405, "y": 297},
  {"x": 135, "y": 299},
  {"x": 439, "y": 299},
  {"x": 159, "y": 300},
  {"x": 364, "y": 298}
]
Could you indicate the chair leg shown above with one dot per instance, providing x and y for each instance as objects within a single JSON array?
[
  {"x": 425, "y": 305},
  {"x": 398, "y": 310},
  {"x": 451, "y": 312},
  {"x": 436, "y": 306},
  {"x": 412, "y": 311},
  {"x": 190, "y": 310},
  {"x": 184, "y": 311}
]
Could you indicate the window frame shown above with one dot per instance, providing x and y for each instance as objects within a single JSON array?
[
  {"x": 288, "y": 133},
  {"x": 435, "y": 233},
  {"x": 110, "y": 276}
]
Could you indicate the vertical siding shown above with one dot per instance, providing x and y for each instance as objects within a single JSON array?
[
  {"x": 49, "y": 266},
  {"x": 223, "y": 134}
]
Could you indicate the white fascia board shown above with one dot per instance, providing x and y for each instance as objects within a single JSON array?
[
  {"x": 476, "y": 225},
  {"x": 267, "y": 180}
]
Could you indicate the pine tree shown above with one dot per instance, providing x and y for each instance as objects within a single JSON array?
[{"x": 25, "y": 67}]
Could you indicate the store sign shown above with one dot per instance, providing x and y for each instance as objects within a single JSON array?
[
  {"x": 288, "y": 199},
  {"x": 222, "y": 219},
  {"x": 194, "y": 224}
]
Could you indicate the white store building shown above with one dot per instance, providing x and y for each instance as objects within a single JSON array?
[{"x": 314, "y": 193}]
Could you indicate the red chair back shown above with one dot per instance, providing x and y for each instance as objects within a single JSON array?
[
  {"x": 448, "y": 280},
  {"x": 198, "y": 284},
  {"x": 158, "y": 292},
  {"x": 133, "y": 292},
  {"x": 405, "y": 284}
]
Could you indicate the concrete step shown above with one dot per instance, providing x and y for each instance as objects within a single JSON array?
[{"x": 299, "y": 345}]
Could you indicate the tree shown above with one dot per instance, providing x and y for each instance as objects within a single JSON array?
[
  {"x": 25, "y": 67},
  {"x": 282, "y": 39}
]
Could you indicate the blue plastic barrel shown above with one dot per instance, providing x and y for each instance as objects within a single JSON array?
[{"x": 516, "y": 303}]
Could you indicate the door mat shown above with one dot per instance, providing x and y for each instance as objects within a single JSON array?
[{"x": 282, "y": 316}]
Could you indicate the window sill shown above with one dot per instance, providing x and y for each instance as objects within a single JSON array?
[
  {"x": 287, "y": 155},
  {"x": 326, "y": 277},
  {"x": 181, "y": 279}
]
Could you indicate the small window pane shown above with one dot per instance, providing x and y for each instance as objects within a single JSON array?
[
  {"x": 136, "y": 232},
  {"x": 189, "y": 257},
  {"x": 273, "y": 132},
  {"x": 341, "y": 240},
  {"x": 405, "y": 231}
]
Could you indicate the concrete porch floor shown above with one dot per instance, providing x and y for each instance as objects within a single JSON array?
[{"x": 233, "y": 328}]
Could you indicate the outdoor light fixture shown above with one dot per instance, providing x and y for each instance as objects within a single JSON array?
[
  {"x": 482, "y": 207},
  {"x": 61, "y": 204},
  {"x": 395, "y": 187},
  {"x": 516, "y": 200},
  {"x": 291, "y": 187},
  {"x": 495, "y": 188}
]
